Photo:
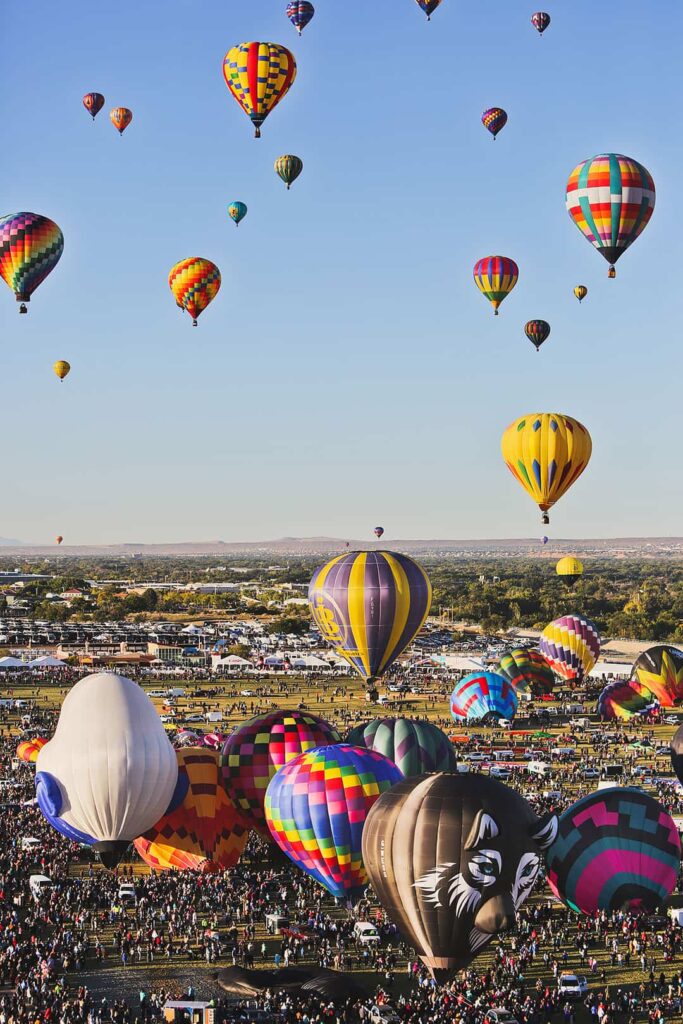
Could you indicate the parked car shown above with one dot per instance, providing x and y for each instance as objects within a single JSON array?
[
  {"x": 384, "y": 1015},
  {"x": 39, "y": 885},
  {"x": 498, "y": 1015},
  {"x": 365, "y": 934},
  {"x": 573, "y": 986},
  {"x": 591, "y": 773},
  {"x": 30, "y": 843},
  {"x": 497, "y": 771},
  {"x": 126, "y": 893}
]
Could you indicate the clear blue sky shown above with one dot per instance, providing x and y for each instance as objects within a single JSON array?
[{"x": 349, "y": 373}]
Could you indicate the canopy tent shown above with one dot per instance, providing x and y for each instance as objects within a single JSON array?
[
  {"x": 603, "y": 669},
  {"x": 309, "y": 661},
  {"x": 6, "y": 663},
  {"x": 459, "y": 663},
  {"x": 231, "y": 663},
  {"x": 46, "y": 662}
]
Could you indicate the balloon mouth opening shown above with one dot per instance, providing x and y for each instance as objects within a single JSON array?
[{"x": 111, "y": 852}]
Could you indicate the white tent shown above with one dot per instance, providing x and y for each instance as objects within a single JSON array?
[
  {"x": 231, "y": 663},
  {"x": 12, "y": 663},
  {"x": 459, "y": 663},
  {"x": 610, "y": 668},
  {"x": 309, "y": 661},
  {"x": 46, "y": 662}
]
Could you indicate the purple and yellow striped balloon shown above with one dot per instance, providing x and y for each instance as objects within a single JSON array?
[{"x": 370, "y": 605}]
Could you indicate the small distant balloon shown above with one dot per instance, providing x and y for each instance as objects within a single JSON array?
[
  {"x": 495, "y": 277},
  {"x": 237, "y": 211},
  {"x": 289, "y": 168},
  {"x": 379, "y": 531},
  {"x": 494, "y": 120},
  {"x": 537, "y": 331},
  {"x": 62, "y": 368},
  {"x": 428, "y": 6},
  {"x": 300, "y": 12},
  {"x": 195, "y": 282},
  {"x": 544, "y": 540},
  {"x": 581, "y": 292},
  {"x": 121, "y": 117},
  {"x": 540, "y": 20},
  {"x": 93, "y": 103},
  {"x": 59, "y": 539}
]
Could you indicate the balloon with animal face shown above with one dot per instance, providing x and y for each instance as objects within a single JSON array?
[{"x": 451, "y": 859}]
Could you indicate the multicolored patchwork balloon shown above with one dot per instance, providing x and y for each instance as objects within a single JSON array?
[
  {"x": 205, "y": 833},
  {"x": 527, "y": 671},
  {"x": 571, "y": 645},
  {"x": 660, "y": 670},
  {"x": 494, "y": 120},
  {"x": 259, "y": 75},
  {"x": 370, "y": 605},
  {"x": 195, "y": 282},
  {"x": 300, "y": 12},
  {"x": 288, "y": 168},
  {"x": 121, "y": 117},
  {"x": 237, "y": 211},
  {"x": 537, "y": 331},
  {"x": 495, "y": 277},
  {"x": 93, "y": 103},
  {"x": 481, "y": 694},
  {"x": 316, "y": 808},
  {"x": 414, "y": 746},
  {"x": 610, "y": 198},
  {"x": 623, "y": 699},
  {"x": 28, "y": 750},
  {"x": 616, "y": 849},
  {"x": 30, "y": 248},
  {"x": 540, "y": 20},
  {"x": 259, "y": 748},
  {"x": 428, "y": 6}
]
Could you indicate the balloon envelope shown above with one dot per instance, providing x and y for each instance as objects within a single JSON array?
[
  {"x": 540, "y": 20},
  {"x": 30, "y": 248},
  {"x": 414, "y": 746},
  {"x": 569, "y": 568},
  {"x": 300, "y": 13},
  {"x": 494, "y": 120},
  {"x": 62, "y": 368},
  {"x": 316, "y": 807},
  {"x": 259, "y": 76},
  {"x": 195, "y": 282},
  {"x": 289, "y": 167},
  {"x": 237, "y": 211},
  {"x": 121, "y": 117},
  {"x": 495, "y": 277},
  {"x": 581, "y": 292},
  {"x": 428, "y": 6},
  {"x": 93, "y": 103},
  {"x": 660, "y": 670},
  {"x": 537, "y": 331},
  {"x": 623, "y": 699},
  {"x": 571, "y": 645},
  {"x": 481, "y": 694},
  {"x": 526, "y": 671},
  {"x": 615, "y": 849},
  {"x": 28, "y": 750}
]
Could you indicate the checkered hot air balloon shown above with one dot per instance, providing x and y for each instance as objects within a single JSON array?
[
  {"x": 660, "y": 670},
  {"x": 494, "y": 120},
  {"x": 571, "y": 645},
  {"x": 495, "y": 277},
  {"x": 257, "y": 749},
  {"x": 205, "y": 832},
  {"x": 616, "y": 849},
  {"x": 610, "y": 198},
  {"x": 316, "y": 807},
  {"x": 30, "y": 248},
  {"x": 528, "y": 671},
  {"x": 259, "y": 75},
  {"x": 195, "y": 282},
  {"x": 414, "y": 746},
  {"x": 483, "y": 694}
]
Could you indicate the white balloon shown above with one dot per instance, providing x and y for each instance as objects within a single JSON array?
[{"x": 111, "y": 759}]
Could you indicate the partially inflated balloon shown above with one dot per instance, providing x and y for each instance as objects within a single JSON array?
[
  {"x": 300, "y": 12},
  {"x": 571, "y": 644},
  {"x": 495, "y": 277},
  {"x": 546, "y": 452},
  {"x": 428, "y": 6},
  {"x": 28, "y": 750},
  {"x": 259, "y": 748},
  {"x": 610, "y": 198},
  {"x": 451, "y": 859},
  {"x": 121, "y": 117},
  {"x": 660, "y": 669},
  {"x": 494, "y": 120},
  {"x": 259, "y": 75},
  {"x": 623, "y": 699},
  {"x": 569, "y": 568},
  {"x": 616, "y": 849},
  {"x": 581, "y": 292},
  {"x": 93, "y": 103},
  {"x": 109, "y": 772},
  {"x": 527, "y": 671},
  {"x": 62, "y": 368},
  {"x": 316, "y": 807},
  {"x": 483, "y": 694},
  {"x": 370, "y": 605},
  {"x": 195, "y": 282},
  {"x": 537, "y": 331},
  {"x": 205, "y": 833},
  {"x": 414, "y": 746},
  {"x": 540, "y": 20},
  {"x": 289, "y": 167},
  {"x": 237, "y": 211},
  {"x": 30, "y": 248}
]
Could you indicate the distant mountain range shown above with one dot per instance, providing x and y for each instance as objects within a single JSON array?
[{"x": 620, "y": 547}]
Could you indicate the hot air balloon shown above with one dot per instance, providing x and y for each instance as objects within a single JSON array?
[
  {"x": 546, "y": 452},
  {"x": 316, "y": 807},
  {"x": 195, "y": 282},
  {"x": 62, "y": 368},
  {"x": 451, "y": 859},
  {"x": 428, "y": 6},
  {"x": 186, "y": 738},
  {"x": 237, "y": 211},
  {"x": 616, "y": 849},
  {"x": 205, "y": 833},
  {"x": 544, "y": 540},
  {"x": 540, "y": 20},
  {"x": 569, "y": 568},
  {"x": 28, "y": 750},
  {"x": 537, "y": 331},
  {"x": 660, "y": 669},
  {"x": 258, "y": 748},
  {"x": 109, "y": 772},
  {"x": 494, "y": 120},
  {"x": 571, "y": 645},
  {"x": 495, "y": 277},
  {"x": 93, "y": 103},
  {"x": 481, "y": 695},
  {"x": 623, "y": 699},
  {"x": 258, "y": 75},
  {"x": 121, "y": 117},
  {"x": 414, "y": 746},
  {"x": 289, "y": 168},
  {"x": 610, "y": 198},
  {"x": 378, "y": 531},
  {"x": 369, "y": 606},
  {"x": 300, "y": 12},
  {"x": 59, "y": 539},
  {"x": 581, "y": 292},
  {"x": 30, "y": 248},
  {"x": 677, "y": 753},
  {"x": 526, "y": 671}
]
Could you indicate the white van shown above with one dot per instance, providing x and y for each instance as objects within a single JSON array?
[
  {"x": 214, "y": 716},
  {"x": 365, "y": 934},
  {"x": 176, "y": 691},
  {"x": 538, "y": 768},
  {"x": 39, "y": 884},
  {"x": 503, "y": 755},
  {"x": 30, "y": 844}
]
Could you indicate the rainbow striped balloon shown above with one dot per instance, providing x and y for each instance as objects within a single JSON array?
[
  {"x": 494, "y": 120},
  {"x": 527, "y": 670},
  {"x": 571, "y": 644},
  {"x": 623, "y": 699},
  {"x": 615, "y": 849},
  {"x": 195, "y": 282},
  {"x": 495, "y": 277},
  {"x": 316, "y": 808},
  {"x": 30, "y": 248},
  {"x": 482, "y": 694},
  {"x": 370, "y": 605}
]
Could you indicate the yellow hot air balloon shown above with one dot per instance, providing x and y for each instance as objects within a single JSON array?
[
  {"x": 546, "y": 452},
  {"x": 569, "y": 568},
  {"x": 62, "y": 368},
  {"x": 259, "y": 75},
  {"x": 581, "y": 292}
]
